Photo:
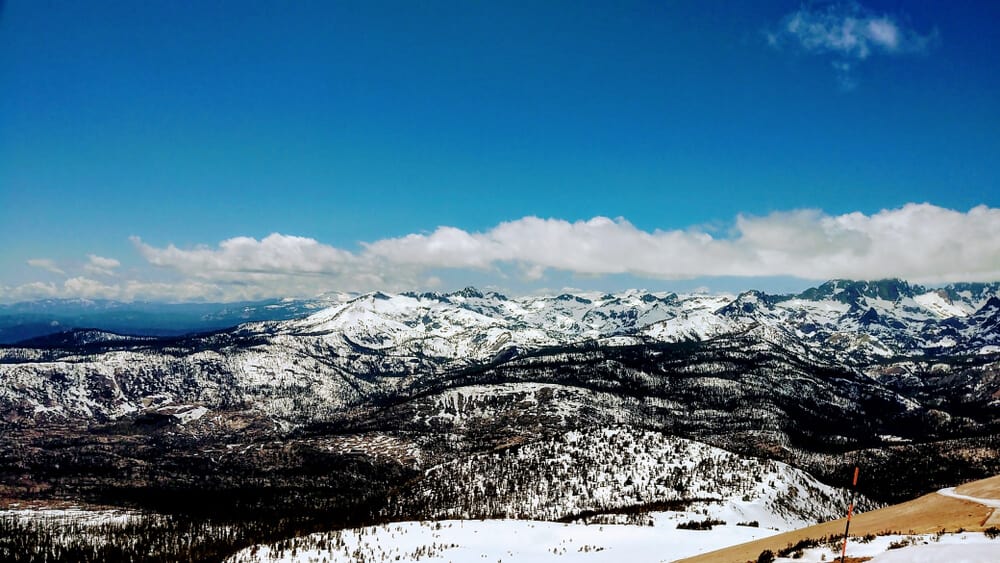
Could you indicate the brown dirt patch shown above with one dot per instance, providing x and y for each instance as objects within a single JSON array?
[{"x": 984, "y": 488}]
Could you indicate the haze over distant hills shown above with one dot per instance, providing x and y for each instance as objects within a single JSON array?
[{"x": 29, "y": 319}]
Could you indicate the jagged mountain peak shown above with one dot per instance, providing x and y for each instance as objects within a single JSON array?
[
  {"x": 972, "y": 291},
  {"x": 853, "y": 291},
  {"x": 469, "y": 293},
  {"x": 571, "y": 297},
  {"x": 870, "y": 317},
  {"x": 988, "y": 316},
  {"x": 991, "y": 306},
  {"x": 427, "y": 295},
  {"x": 746, "y": 304}
]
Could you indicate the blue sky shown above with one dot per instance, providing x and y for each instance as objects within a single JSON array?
[{"x": 179, "y": 151}]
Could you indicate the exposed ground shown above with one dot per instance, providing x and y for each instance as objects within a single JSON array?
[
  {"x": 927, "y": 514},
  {"x": 984, "y": 488}
]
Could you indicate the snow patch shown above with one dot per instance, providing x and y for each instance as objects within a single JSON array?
[
  {"x": 925, "y": 548},
  {"x": 944, "y": 308},
  {"x": 474, "y": 541}
]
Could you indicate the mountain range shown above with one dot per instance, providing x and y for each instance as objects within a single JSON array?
[{"x": 473, "y": 404}]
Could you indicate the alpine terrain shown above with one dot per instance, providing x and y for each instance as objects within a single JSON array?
[{"x": 601, "y": 409}]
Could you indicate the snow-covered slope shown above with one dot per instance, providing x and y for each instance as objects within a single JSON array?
[
  {"x": 622, "y": 493},
  {"x": 475, "y": 541},
  {"x": 362, "y": 346},
  {"x": 538, "y": 542},
  {"x": 622, "y": 470},
  {"x": 859, "y": 319},
  {"x": 873, "y": 318}
]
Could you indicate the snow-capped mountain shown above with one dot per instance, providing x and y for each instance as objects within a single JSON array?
[
  {"x": 863, "y": 319},
  {"x": 888, "y": 318},
  {"x": 378, "y": 344},
  {"x": 396, "y": 389}
]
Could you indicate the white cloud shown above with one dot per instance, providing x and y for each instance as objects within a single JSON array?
[
  {"x": 46, "y": 264},
  {"x": 849, "y": 32},
  {"x": 186, "y": 290},
  {"x": 132, "y": 290},
  {"x": 90, "y": 289},
  {"x": 235, "y": 258},
  {"x": 75, "y": 287},
  {"x": 101, "y": 266},
  {"x": 883, "y": 32},
  {"x": 280, "y": 265},
  {"x": 919, "y": 242},
  {"x": 29, "y": 291}
]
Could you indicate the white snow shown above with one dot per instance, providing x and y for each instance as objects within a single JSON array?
[
  {"x": 934, "y": 302},
  {"x": 946, "y": 342},
  {"x": 826, "y": 309},
  {"x": 607, "y": 469},
  {"x": 894, "y": 439},
  {"x": 972, "y": 552},
  {"x": 79, "y": 516},
  {"x": 950, "y": 492},
  {"x": 927, "y": 548},
  {"x": 468, "y": 541},
  {"x": 396, "y": 337},
  {"x": 191, "y": 414}
]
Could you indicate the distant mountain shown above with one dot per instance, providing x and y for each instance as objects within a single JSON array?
[
  {"x": 377, "y": 346},
  {"x": 31, "y": 319}
]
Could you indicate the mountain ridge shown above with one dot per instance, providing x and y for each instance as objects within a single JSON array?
[{"x": 393, "y": 385}]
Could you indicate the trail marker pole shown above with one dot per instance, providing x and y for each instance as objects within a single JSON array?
[{"x": 850, "y": 511}]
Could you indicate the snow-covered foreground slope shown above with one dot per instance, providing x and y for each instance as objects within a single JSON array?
[
  {"x": 475, "y": 541},
  {"x": 605, "y": 477},
  {"x": 966, "y": 547}
]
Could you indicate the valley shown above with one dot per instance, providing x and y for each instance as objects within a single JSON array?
[{"x": 592, "y": 409}]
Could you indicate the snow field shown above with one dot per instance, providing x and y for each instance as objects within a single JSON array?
[
  {"x": 527, "y": 541},
  {"x": 469, "y": 541},
  {"x": 927, "y": 548}
]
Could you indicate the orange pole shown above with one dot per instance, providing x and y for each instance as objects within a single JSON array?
[{"x": 850, "y": 511}]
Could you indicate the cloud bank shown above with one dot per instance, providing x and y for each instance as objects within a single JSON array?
[
  {"x": 850, "y": 33},
  {"x": 919, "y": 242}
]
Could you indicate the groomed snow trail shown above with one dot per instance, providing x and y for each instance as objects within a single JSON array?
[{"x": 950, "y": 492}]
